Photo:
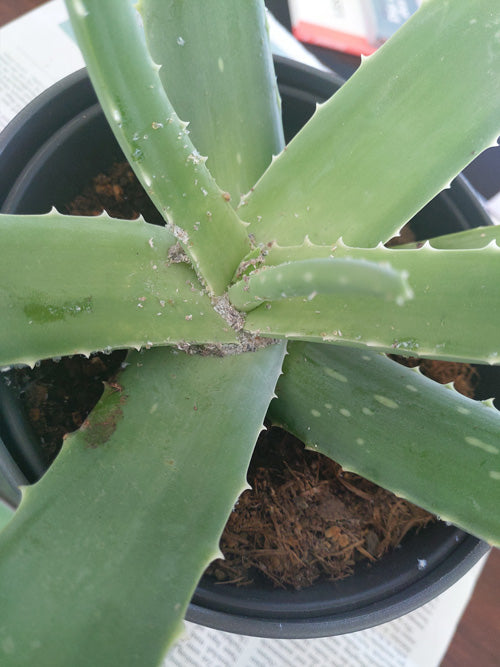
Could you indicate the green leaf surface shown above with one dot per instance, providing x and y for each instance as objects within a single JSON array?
[
  {"x": 478, "y": 237},
  {"x": 311, "y": 277},
  {"x": 451, "y": 289},
  {"x": 392, "y": 425},
  {"x": 70, "y": 284},
  {"x": 100, "y": 561},
  {"x": 6, "y": 514},
  {"x": 204, "y": 57},
  {"x": 413, "y": 115},
  {"x": 155, "y": 141}
]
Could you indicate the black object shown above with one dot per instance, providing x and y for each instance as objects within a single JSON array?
[{"x": 77, "y": 144}]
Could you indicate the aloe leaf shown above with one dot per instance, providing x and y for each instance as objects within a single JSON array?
[
  {"x": 418, "y": 141},
  {"x": 421, "y": 440},
  {"x": 451, "y": 289},
  {"x": 479, "y": 237},
  {"x": 6, "y": 513},
  {"x": 155, "y": 141},
  {"x": 312, "y": 277},
  {"x": 100, "y": 560},
  {"x": 71, "y": 284},
  {"x": 203, "y": 55}
]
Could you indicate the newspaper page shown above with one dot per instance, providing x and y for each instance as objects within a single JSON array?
[
  {"x": 419, "y": 639},
  {"x": 37, "y": 50}
]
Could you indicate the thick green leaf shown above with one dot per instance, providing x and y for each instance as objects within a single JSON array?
[
  {"x": 421, "y": 440},
  {"x": 322, "y": 275},
  {"x": 154, "y": 140},
  {"x": 6, "y": 513},
  {"x": 100, "y": 561},
  {"x": 453, "y": 313},
  {"x": 412, "y": 116},
  {"x": 204, "y": 57},
  {"x": 479, "y": 237},
  {"x": 70, "y": 284}
]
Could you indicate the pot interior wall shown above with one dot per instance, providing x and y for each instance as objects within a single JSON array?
[{"x": 61, "y": 162}]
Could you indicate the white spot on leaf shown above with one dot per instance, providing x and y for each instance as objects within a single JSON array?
[
  {"x": 335, "y": 375},
  {"x": 385, "y": 401},
  {"x": 476, "y": 442}
]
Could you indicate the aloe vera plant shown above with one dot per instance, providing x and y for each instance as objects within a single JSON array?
[{"x": 259, "y": 256}]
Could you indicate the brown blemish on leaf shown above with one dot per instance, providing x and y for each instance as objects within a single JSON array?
[{"x": 100, "y": 425}]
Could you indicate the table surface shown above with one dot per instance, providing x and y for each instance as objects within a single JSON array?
[{"x": 477, "y": 639}]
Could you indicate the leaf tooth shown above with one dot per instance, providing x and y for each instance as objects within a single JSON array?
[
  {"x": 488, "y": 402},
  {"x": 340, "y": 244},
  {"x": 427, "y": 246},
  {"x": 26, "y": 362},
  {"x": 312, "y": 446},
  {"x": 218, "y": 555},
  {"x": 81, "y": 9},
  {"x": 103, "y": 215},
  {"x": 493, "y": 359}
]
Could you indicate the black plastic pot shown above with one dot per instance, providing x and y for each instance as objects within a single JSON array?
[{"x": 46, "y": 155}]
